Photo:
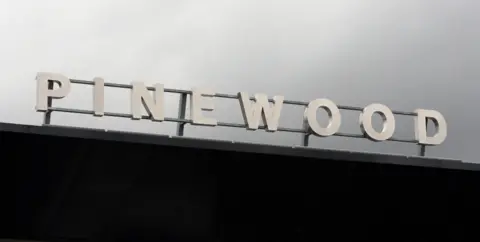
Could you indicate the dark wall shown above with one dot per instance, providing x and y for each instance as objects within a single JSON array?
[{"x": 70, "y": 189}]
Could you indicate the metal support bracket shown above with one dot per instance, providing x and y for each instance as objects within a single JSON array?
[
  {"x": 306, "y": 135},
  {"x": 422, "y": 150},
  {"x": 181, "y": 113},
  {"x": 48, "y": 114}
]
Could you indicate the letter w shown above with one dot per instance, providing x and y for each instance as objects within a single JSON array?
[{"x": 253, "y": 110}]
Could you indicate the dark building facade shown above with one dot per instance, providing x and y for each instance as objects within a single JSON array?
[{"x": 72, "y": 184}]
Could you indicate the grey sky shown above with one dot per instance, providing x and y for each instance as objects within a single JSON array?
[{"x": 406, "y": 54}]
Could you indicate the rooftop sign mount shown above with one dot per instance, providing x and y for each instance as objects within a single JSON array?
[{"x": 253, "y": 109}]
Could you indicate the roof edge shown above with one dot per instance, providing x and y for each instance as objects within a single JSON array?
[{"x": 198, "y": 143}]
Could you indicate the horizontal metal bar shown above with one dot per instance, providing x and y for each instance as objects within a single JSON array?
[
  {"x": 403, "y": 140},
  {"x": 220, "y": 95},
  {"x": 361, "y": 109},
  {"x": 128, "y": 86},
  {"x": 292, "y": 130},
  {"x": 404, "y": 113},
  {"x": 221, "y": 124},
  {"x": 70, "y": 110},
  {"x": 233, "y": 125},
  {"x": 76, "y": 81},
  {"x": 349, "y": 135},
  {"x": 230, "y": 96},
  {"x": 362, "y": 136},
  {"x": 262, "y": 127},
  {"x": 302, "y": 103},
  {"x": 291, "y": 102},
  {"x": 349, "y": 108}
]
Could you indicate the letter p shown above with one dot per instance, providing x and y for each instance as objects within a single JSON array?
[{"x": 43, "y": 92}]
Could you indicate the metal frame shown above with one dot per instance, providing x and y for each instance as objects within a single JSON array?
[{"x": 182, "y": 121}]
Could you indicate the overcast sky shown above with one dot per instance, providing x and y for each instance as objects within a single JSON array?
[{"x": 406, "y": 54}]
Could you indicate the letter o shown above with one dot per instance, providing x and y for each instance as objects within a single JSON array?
[
  {"x": 388, "y": 122},
  {"x": 310, "y": 117}
]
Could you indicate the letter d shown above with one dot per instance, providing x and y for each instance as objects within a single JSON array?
[{"x": 421, "y": 127}]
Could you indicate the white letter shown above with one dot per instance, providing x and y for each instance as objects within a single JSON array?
[
  {"x": 98, "y": 96},
  {"x": 421, "y": 127},
  {"x": 154, "y": 107},
  {"x": 388, "y": 122},
  {"x": 252, "y": 112},
  {"x": 335, "y": 119},
  {"x": 201, "y": 100},
  {"x": 43, "y": 93}
]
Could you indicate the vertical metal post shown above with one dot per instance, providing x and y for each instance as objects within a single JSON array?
[
  {"x": 181, "y": 113},
  {"x": 422, "y": 150},
  {"x": 422, "y": 146},
  {"x": 306, "y": 135},
  {"x": 47, "y": 115},
  {"x": 305, "y": 139}
]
